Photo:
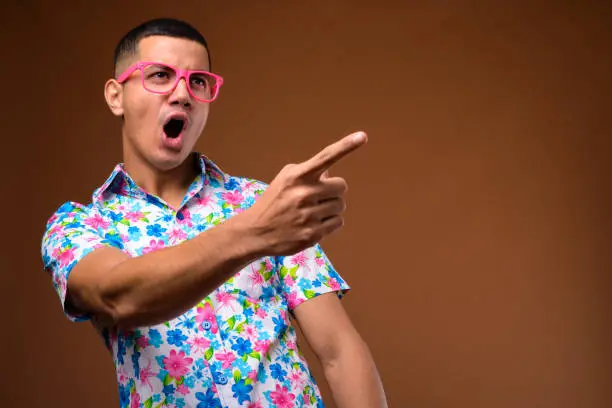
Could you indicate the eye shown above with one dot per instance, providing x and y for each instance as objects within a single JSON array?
[
  {"x": 199, "y": 81},
  {"x": 159, "y": 75}
]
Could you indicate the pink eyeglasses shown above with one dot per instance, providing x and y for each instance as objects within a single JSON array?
[{"x": 161, "y": 79}]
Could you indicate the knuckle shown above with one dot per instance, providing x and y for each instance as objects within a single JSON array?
[
  {"x": 307, "y": 236},
  {"x": 302, "y": 195},
  {"x": 289, "y": 172}
]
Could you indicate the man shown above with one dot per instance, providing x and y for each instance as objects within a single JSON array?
[{"x": 190, "y": 274}]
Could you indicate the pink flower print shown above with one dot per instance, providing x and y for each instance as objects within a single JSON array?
[
  {"x": 177, "y": 364},
  {"x": 122, "y": 377},
  {"x": 300, "y": 259},
  {"x": 255, "y": 277},
  {"x": 96, "y": 222},
  {"x": 65, "y": 256},
  {"x": 252, "y": 375},
  {"x": 226, "y": 358},
  {"x": 124, "y": 238},
  {"x": 320, "y": 261},
  {"x": 268, "y": 265},
  {"x": 177, "y": 235},
  {"x": 142, "y": 342},
  {"x": 291, "y": 345},
  {"x": 59, "y": 282},
  {"x": 333, "y": 284},
  {"x": 183, "y": 389},
  {"x": 249, "y": 186},
  {"x": 135, "y": 400},
  {"x": 261, "y": 313},
  {"x": 134, "y": 216},
  {"x": 289, "y": 280},
  {"x": 198, "y": 344},
  {"x": 292, "y": 300},
  {"x": 203, "y": 200},
  {"x": 233, "y": 197},
  {"x": 154, "y": 245},
  {"x": 225, "y": 299},
  {"x": 296, "y": 378},
  {"x": 56, "y": 229},
  {"x": 250, "y": 332},
  {"x": 262, "y": 346},
  {"x": 255, "y": 404},
  {"x": 146, "y": 374},
  {"x": 282, "y": 397}
]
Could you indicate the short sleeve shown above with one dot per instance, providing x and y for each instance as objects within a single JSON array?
[
  {"x": 308, "y": 274},
  {"x": 72, "y": 232}
]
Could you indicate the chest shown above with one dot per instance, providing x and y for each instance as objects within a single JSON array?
[{"x": 141, "y": 228}]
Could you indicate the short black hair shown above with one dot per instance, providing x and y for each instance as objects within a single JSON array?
[{"x": 168, "y": 27}]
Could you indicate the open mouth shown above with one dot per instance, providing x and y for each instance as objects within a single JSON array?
[{"x": 174, "y": 127}]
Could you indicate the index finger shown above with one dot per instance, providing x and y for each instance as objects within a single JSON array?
[{"x": 323, "y": 160}]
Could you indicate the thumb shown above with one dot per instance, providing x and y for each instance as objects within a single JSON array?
[{"x": 325, "y": 175}]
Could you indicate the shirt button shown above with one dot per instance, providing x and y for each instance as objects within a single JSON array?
[
  {"x": 221, "y": 379},
  {"x": 206, "y": 325}
]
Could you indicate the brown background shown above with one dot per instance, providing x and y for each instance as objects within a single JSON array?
[{"x": 478, "y": 231}]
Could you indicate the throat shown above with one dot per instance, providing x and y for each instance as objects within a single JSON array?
[{"x": 170, "y": 185}]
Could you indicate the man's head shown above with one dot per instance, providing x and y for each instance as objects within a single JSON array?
[{"x": 163, "y": 102}]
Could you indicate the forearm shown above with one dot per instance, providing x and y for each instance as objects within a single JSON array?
[
  {"x": 161, "y": 285},
  {"x": 354, "y": 379}
]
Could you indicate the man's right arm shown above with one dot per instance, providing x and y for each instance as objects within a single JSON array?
[
  {"x": 123, "y": 291},
  {"x": 299, "y": 208}
]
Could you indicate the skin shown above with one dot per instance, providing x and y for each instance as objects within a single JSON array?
[{"x": 300, "y": 207}]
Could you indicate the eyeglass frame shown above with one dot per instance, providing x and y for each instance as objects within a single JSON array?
[{"x": 180, "y": 74}]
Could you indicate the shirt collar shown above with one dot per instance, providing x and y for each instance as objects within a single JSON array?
[{"x": 120, "y": 183}]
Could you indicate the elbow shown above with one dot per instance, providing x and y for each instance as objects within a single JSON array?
[{"x": 115, "y": 313}]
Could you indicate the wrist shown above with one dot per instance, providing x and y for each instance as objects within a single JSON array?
[{"x": 244, "y": 236}]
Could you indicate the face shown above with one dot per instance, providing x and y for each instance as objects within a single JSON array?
[{"x": 150, "y": 136}]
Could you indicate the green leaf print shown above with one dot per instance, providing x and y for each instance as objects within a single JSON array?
[
  {"x": 240, "y": 327},
  {"x": 148, "y": 403},
  {"x": 255, "y": 354},
  {"x": 293, "y": 272},
  {"x": 124, "y": 222},
  {"x": 283, "y": 271},
  {"x": 309, "y": 293},
  {"x": 268, "y": 274},
  {"x": 209, "y": 353},
  {"x": 237, "y": 376},
  {"x": 231, "y": 322},
  {"x": 167, "y": 379}
]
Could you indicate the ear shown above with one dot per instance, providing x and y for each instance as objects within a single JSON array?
[{"x": 113, "y": 93}]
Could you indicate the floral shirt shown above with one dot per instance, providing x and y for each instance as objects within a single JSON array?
[{"x": 237, "y": 346}]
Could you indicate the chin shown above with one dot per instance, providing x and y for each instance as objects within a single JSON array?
[{"x": 168, "y": 160}]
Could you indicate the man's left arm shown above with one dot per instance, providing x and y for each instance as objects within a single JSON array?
[{"x": 349, "y": 368}]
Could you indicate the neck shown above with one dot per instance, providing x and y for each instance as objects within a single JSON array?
[{"x": 169, "y": 185}]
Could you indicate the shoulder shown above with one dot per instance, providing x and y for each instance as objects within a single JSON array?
[
  {"x": 70, "y": 220},
  {"x": 68, "y": 213},
  {"x": 233, "y": 183}
]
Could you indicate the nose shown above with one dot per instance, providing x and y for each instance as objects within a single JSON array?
[{"x": 180, "y": 94}]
